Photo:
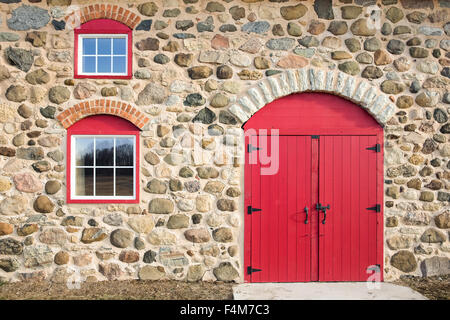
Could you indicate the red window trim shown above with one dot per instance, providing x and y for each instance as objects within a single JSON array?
[
  {"x": 104, "y": 26},
  {"x": 101, "y": 125}
]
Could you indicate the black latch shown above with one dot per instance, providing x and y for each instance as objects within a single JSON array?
[
  {"x": 314, "y": 137},
  {"x": 250, "y": 270},
  {"x": 250, "y": 148},
  {"x": 376, "y": 148},
  {"x": 250, "y": 209},
  {"x": 377, "y": 208}
]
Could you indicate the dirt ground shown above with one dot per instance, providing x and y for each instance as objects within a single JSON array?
[
  {"x": 117, "y": 290},
  {"x": 434, "y": 288}
]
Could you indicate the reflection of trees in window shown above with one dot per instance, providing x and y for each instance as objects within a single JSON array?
[
  {"x": 124, "y": 155},
  {"x": 105, "y": 156},
  {"x": 86, "y": 158}
]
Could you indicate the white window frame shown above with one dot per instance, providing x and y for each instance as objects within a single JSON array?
[
  {"x": 97, "y": 36},
  {"x": 94, "y": 166}
]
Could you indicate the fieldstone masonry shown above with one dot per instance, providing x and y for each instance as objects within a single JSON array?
[{"x": 200, "y": 70}]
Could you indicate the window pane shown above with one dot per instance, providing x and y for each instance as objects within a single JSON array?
[
  {"x": 84, "y": 151},
  {"x": 88, "y": 64},
  {"x": 124, "y": 182},
  {"x": 120, "y": 46},
  {"x": 89, "y": 45},
  {"x": 124, "y": 151},
  {"x": 104, "y": 182},
  {"x": 104, "y": 64},
  {"x": 104, "y": 46},
  {"x": 119, "y": 64},
  {"x": 84, "y": 182},
  {"x": 104, "y": 153}
]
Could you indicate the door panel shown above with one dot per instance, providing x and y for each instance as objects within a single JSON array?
[
  {"x": 347, "y": 182},
  {"x": 331, "y": 170},
  {"x": 283, "y": 252}
]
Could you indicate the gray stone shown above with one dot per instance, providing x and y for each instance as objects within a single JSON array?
[
  {"x": 161, "y": 206},
  {"x": 206, "y": 26},
  {"x": 225, "y": 272},
  {"x": 28, "y": 17},
  {"x": 39, "y": 255},
  {"x": 435, "y": 266},
  {"x": 259, "y": 27},
  {"x": 324, "y": 9},
  {"x": 121, "y": 238},
  {"x": 404, "y": 261},
  {"x": 10, "y": 246},
  {"x": 280, "y": 44},
  {"x": 21, "y": 58},
  {"x": 152, "y": 94}
]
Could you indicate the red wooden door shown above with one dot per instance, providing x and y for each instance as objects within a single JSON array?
[
  {"x": 282, "y": 230},
  {"x": 348, "y": 184},
  {"x": 325, "y": 157}
]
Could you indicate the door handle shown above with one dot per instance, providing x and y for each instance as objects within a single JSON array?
[
  {"x": 319, "y": 207},
  {"x": 306, "y": 210}
]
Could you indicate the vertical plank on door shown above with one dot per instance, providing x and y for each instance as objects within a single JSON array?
[{"x": 255, "y": 259}]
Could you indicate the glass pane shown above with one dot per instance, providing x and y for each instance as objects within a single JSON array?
[
  {"x": 104, "y": 64},
  {"x": 104, "y": 46},
  {"x": 104, "y": 182},
  {"x": 88, "y": 64},
  {"x": 119, "y": 64},
  {"x": 124, "y": 182},
  {"x": 89, "y": 45},
  {"x": 120, "y": 46},
  {"x": 84, "y": 151},
  {"x": 124, "y": 151},
  {"x": 84, "y": 182},
  {"x": 104, "y": 152}
]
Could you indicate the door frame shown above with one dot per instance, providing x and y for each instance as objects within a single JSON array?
[{"x": 321, "y": 131}]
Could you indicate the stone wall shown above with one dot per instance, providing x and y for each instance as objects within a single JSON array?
[{"x": 201, "y": 68}]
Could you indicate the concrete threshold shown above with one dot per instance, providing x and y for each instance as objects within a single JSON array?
[{"x": 324, "y": 291}]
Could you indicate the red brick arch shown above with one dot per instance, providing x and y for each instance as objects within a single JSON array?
[
  {"x": 102, "y": 106},
  {"x": 103, "y": 11}
]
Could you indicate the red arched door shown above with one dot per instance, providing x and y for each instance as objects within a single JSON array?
[{"x": 313, "y": 191}]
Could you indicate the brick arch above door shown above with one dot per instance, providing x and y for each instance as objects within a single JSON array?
[
  {"x": 102, "y": 106},
  {"x": 357, "y": 90}
]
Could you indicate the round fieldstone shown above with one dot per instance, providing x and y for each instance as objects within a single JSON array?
[
  {"x": 43, "y": 204},
  {"x": 294, "y": 29},
  {"x": 148, "y": 9},
  {"x": 404, "y": 102},
  {"x": 440, "y": 115},
  {"x": 121, "y": 238},
  {"x": 372, "y": 44},
  {"x": 223, "y": 235},
  {"x": 186, "y": 172},
  {"x": 52, "y": 186},
  {"x": 353, "y": 44},
  {"x": 372, "y": 72},
  {"x": 129, "y": 256},
  {"x": 17, "y": 93},
  {"x": 392, "y": 87},
  {"x": 205, "y": 116},
  {"x": 156, "y": 186},
  {"x": 395, "y": 46},
  {"x": 225, "y": 272},
  {"x": 293, "y": 12},
  {"x": 178, "y": 221},
  {"x": 150, "y": 256},
  {"x": 197, "y": 235},
  {"x": 39, "y": 76},
  {"x": 59, "y": 94},
  {"x": 10, "y": 246},
  {"x": 433, "y": 235},
  {"x": 161, "y": 206},
  {"x": 404, "y": 261},
  {"x": 200, "y": 72},
  {"x": 361, "y": 28},
  {"x": 184, "y": 59},
  {"x": 61, "y": 258},
  {"x": 394, "y": 14},
  {"x": 418, "y": 52},
  {"x": 350, "y": 67},
  {"x": 350, "y": 12},
  {"x": 364, "y": 58},
  {"x": 224, "y": 72},
  {"x": 277, "y": 30},
  {"x": 161, "y": 58},
  {"x": 91, "y": 235}
]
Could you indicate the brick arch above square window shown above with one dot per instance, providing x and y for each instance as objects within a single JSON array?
[
  {"x": 103, "y": 11},
  {"x": 102, "y": 106}
]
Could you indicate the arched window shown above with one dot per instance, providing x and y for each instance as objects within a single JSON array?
[
  {"x": 103, "y": 161},
  {"x": 103, "y": 50}
]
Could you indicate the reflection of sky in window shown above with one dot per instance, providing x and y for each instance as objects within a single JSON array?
[
  {"x": 85, "y": 152},
  {"x": 104, "y": 55}
]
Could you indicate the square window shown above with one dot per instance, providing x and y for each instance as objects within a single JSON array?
[
  {"x": 104, "y": 167},
  {"x": 103, "y": 55}
]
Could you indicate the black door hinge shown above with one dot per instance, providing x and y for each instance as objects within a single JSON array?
[
  {"x": 314, "y": 137},
  {"x": 377, "y": 208},
  {"x": 376, "y": 148},
  {"x": 250, "y": 210},
  {"x": 250, "y": 270},
  {"x": 250, "y": 148}
]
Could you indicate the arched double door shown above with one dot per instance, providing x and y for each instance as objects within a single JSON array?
[{"x": 313, "y": 191}]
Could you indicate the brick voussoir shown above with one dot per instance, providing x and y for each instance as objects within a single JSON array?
[
  {"x": 102, "y": 106},
  {"x": 103, "y": 11}
]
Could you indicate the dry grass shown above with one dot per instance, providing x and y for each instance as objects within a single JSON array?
[
  {"x": 434, "y": 288},
  {"x": 117, "y": 290}
]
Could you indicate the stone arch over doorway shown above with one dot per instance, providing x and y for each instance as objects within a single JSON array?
[{"x": 357, "y": 90}]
